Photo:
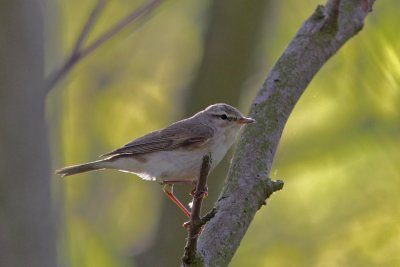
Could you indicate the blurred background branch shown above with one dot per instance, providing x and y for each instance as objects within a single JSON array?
[{"x": 79, "y": 52}]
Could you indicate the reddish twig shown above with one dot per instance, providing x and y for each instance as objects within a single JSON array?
[{"x": 78, "y": 52}]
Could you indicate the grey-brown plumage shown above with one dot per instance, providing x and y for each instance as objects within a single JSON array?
[
  {"x": 182, "y": 133},
  {"x": 174, "y": 152},
  {"x": 91, "y": 166}
]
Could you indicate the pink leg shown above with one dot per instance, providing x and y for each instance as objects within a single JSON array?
[
  {"x": 178, "y": 203},
  {"x": 168, "y": 190}
]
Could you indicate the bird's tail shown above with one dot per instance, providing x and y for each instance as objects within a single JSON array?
[{"x": 91, "y": 166}]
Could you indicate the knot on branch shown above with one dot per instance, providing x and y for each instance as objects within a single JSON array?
[
  {"x": 270, "y": 187},
  {"x": 277, "y": 185}
]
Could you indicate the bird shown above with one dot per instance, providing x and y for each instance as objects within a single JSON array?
[{"x": 173, "y": 155}]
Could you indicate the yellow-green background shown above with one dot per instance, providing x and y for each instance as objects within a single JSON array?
[{"x": 339, "y": 155}]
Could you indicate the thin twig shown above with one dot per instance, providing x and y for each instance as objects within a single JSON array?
[
  {"x": 74, "y": 57},
  {"x": 151, "y": 5},
  {"x": 78, "y": 53},
  {"x": 88, "y": 26},
  {"x": 196, "y": 222}
]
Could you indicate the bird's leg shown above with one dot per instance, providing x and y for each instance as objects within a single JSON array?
[{"x": 168, "y": 190}]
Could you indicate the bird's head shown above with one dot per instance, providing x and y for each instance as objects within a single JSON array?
[{"x": 225, "y": 116}]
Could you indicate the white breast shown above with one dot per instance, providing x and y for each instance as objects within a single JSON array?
[{"x": 221, "y": 145}]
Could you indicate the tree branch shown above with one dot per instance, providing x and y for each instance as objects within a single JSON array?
[
  {"x": 196, "y": 223},
  {"x": 78, "y": 52},
  {"x": 248, "y": 184}
]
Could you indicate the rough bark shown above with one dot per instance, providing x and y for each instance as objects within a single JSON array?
[
  {"x": 248, "y": 185},
  {"x": 27, "y": 230}
]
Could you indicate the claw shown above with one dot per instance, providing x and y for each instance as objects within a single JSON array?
[
  {"x": 186, "y": 225},
  {"x": 203, "y": 194}
]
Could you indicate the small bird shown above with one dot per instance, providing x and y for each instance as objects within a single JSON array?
[{"x": 173, "y": 155}]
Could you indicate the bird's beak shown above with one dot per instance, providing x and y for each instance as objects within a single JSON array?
[{"x": 245, "y": 120}]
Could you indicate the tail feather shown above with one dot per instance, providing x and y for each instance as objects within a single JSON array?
[{"x": 91, "y": 166}]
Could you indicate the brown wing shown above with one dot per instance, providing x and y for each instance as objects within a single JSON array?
[{"x": 180, "y": 134}]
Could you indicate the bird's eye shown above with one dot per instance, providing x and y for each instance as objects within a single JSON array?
[{"x": 223, "y": 116}]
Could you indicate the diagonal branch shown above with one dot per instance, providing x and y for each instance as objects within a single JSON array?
[
  {"x": 78, "y": 52},
  {"x": 248, "y": 185},
  {"x": 75, "y": 56},
  {"x": 145, "y": 9}
]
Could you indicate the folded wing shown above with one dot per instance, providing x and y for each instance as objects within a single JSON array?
[{"x": 177, "y": 135}]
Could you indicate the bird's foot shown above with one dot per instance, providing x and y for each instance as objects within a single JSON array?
[{"x": 202, "y": 194}]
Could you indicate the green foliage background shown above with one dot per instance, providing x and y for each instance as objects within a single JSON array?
[{"x": 339, "y": 155}]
